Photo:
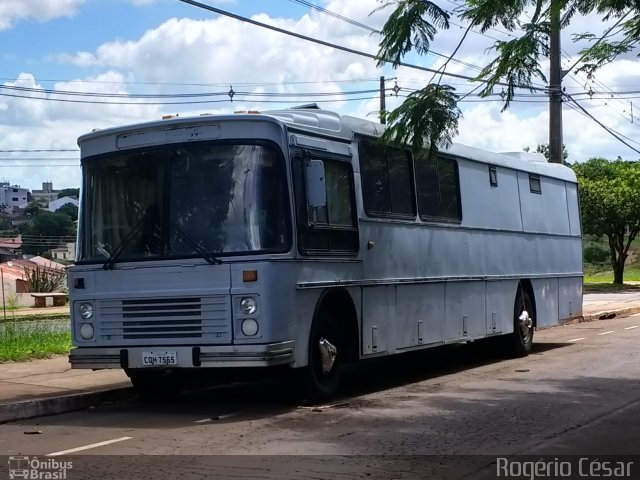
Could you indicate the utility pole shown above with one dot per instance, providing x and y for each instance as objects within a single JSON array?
[
  {"x": 383, "y": 102},
  {"x": 555, "y": 86}
]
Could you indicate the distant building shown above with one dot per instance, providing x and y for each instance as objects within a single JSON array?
[
  {"x": 54, "y": 205},
  {"x": 10, "y": 248},
  {"x": 67, "y": 253},
  {"x": 46, "y": 195},
  {"x": 13, "y": 196}
]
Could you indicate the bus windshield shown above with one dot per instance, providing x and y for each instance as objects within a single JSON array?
[{"x": 184, "y": 200}]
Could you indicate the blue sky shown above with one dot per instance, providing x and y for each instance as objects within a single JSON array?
[{"x": 164, "y": 46}]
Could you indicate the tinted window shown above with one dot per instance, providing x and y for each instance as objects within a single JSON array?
[
  {"x": 332, "y": 227},
  {"x": 534, "y": 184},
  {"x": 493, "y": 176},
  {"x": 387, "y": 182},
  {"x": 438, "y": 188}
]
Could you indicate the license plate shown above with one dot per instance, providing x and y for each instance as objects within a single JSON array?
[{"x": 156, "y": 359}]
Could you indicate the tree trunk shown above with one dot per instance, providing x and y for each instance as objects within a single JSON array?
[{"x": 618, "y": 270}]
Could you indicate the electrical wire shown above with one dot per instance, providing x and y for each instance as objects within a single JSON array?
[
  {"x": 607, "y": 129},
  {"x": 219, "y": 11}
]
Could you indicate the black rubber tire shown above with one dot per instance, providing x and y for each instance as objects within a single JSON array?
[
  {"x": 316, "y": 386},
  {"x": 157, "y": 384},
  {"x": 519, "y": 343}
]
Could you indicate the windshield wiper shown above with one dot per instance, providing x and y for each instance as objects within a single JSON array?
[
  {"x": 196, "y": 246},
  {"x": 108, "y": 265}
]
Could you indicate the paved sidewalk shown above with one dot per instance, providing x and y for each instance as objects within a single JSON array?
[{"x": 46, "y": 387}]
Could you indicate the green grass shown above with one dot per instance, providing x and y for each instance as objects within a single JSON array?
[
  {"x": 21, "y": 341},
  {"x": 608, "y": 287},
  {"x": 631, "y": 274}
]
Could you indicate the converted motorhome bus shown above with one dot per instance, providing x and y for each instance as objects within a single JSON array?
[{"x": 297, "y": 239}]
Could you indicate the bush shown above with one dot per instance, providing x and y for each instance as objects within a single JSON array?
[
  {"x": 595, "y": 253},
  {"x": 45, "y": 280}
]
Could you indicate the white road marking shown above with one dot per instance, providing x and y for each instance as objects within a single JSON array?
[
  {"x": 87, "y": 447},
  {"x": 576, "y": 339},
  {"x": 204, "y": 420},
  {"x": 606, "y": 333},
  {"x": 631, "y": 328}
]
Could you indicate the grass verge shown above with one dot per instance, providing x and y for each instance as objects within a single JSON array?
[
  {"x": 608, "y": 287},
  {"x": 28, "y": 340},
  {"x": 631, "y": 274}
]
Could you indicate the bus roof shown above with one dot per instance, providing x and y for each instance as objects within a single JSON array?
[{"x": 346, "y": 128}]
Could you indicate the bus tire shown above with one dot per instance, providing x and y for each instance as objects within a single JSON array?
[
  {"x": 320, "y": 379},
  {"x": 156, "y": 384},
  {"x": 520, "y": 341}
]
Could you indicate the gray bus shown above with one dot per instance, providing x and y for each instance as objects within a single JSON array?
[{"x": 296, "y": 239}]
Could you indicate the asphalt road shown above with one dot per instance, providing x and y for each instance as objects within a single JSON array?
[{"x": 578, "y": 393}]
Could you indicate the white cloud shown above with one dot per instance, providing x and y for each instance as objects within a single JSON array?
[
  {"x": 12, "y": 11},
  {"x": 224, "y": 50}
]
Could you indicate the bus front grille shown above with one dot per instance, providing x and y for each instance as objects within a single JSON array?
[{"x": 175, "y": 320}]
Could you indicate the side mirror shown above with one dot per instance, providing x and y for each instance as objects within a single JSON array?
[{"x": 316, "y": 189}]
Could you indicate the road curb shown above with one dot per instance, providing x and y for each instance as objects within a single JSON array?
[
  {"x": 38, "y": 407},
  {"x": 607, "y": 314}
]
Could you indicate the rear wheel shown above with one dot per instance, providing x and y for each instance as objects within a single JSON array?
[
  {"x": 321, "y": 378},
  {"x": 520, "y": 341}
]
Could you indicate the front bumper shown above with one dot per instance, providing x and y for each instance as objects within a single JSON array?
[{"x": 226, "y": 356}]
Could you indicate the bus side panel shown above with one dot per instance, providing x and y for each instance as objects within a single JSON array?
[
  {"x": 500, "y": 303},
  {"x": 552, "y": 200},
  {"x": 419, "y": 315},
  {"x": 303, "y": 310},
  {"x": 378, "y": 316},
  {"x": 545, "y": 291},
  {"x": 465, "y": 310},
  {"x": 570, "y": 295}
]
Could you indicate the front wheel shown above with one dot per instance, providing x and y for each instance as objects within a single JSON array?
[
  {"x": 320, "y": 379},
  {"x": 154, "y": 383},
  {"x": 520, "y": 341}
]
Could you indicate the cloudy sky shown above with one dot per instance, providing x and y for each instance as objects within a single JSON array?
[{"x": 69, "y": 66}]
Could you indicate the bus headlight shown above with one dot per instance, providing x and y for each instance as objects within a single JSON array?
[
  {"x": 86, "y": 331},
  {"x": 249, "y": 327},
  {"x": 248, "y": 305},
  {"x": 86, "y": 310}
]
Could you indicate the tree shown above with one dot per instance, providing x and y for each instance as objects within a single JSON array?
[
  {"x": 47, "y": 230},
  {"x": 610, "y": 203},
  {"x": 32, "y": 209},
  {"x": 544, "y": 149},
  {"x": 429, "y": 117},
  {"x": 69, "y": 209},
  {"x": 69, "y": 192},
  {"x": 43, "y": 279}
]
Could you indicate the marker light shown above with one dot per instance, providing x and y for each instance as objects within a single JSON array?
[
  {"x": 249, "y": 327},
  {"x": 86, "y": 331}
]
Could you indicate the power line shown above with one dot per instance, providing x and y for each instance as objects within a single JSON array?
[
  {"x": 41, "y": 150},
  {"x": 374, "y": 30},
  {"x": 609, "y": 130},
  {"x": 324, "y": 43},
  {"x": 248, "y": 98},
  {"x": 194, "y": 84}
]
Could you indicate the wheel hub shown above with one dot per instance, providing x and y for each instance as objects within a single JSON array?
[
  {"x": 328, "y": 354},
  {"x": 526, "y": 322}
]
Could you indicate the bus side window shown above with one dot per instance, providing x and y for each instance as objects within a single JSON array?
[
  {"x": 438, "y": 188},
  {"x": 334, "y": 226},
  {"x": 387, "y": 182}
]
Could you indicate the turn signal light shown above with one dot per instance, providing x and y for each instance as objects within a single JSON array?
[{"x": 249, "y": 275}]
